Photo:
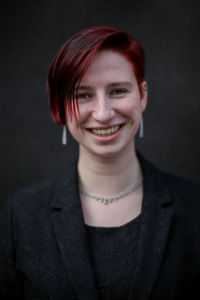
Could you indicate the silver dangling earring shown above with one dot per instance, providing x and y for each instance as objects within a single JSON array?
[
  {"x": 64, "y": 135},
  {"x": 141, "y": 130}
]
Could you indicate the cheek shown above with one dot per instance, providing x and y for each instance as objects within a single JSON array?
[
  {"x": 84, "y": 113},
  {"x": 85, "y": 107},
  {"x": 75, "y": 127},
  {"x": 80, "y": 118},
  {"x": 131, "y": 109}
]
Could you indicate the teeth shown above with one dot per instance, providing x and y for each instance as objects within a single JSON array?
[{"x": 105, "y": 131}]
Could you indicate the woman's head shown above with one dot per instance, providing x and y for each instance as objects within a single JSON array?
[{"x": 75, "y": 56}]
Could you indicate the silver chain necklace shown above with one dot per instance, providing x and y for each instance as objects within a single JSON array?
[{"x": 109, "y": 200}]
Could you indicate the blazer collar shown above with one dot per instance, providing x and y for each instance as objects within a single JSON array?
[
  {"x": 156, "y": 221},
  {"x": 71, "y": 235},
  {"x": 157, "y": 212}
]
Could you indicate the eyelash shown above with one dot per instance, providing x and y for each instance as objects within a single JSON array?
[
  {"x": 119, "y": 91},
  {"x": 84, "y": 96},
  {"x": 115, "y": 92}
]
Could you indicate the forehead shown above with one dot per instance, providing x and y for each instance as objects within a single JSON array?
[{"x": 108, "y": 66}]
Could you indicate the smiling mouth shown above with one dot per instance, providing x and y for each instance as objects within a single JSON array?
[{"x": 104, "y": 132}]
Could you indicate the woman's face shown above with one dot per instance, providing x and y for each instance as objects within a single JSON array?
[{"x": 110, "y": 105}]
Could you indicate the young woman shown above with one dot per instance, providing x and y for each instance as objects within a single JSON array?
[{"x": 112, "y": 226}]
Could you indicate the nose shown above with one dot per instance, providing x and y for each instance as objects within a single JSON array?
[{"x": 102, "y": 110}]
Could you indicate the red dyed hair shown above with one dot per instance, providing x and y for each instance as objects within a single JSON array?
[{"x": 73, "y": 59}]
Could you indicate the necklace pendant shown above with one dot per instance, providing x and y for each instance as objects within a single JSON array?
[{"x": 104, "y": 201}]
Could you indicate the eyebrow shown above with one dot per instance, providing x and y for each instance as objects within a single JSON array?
[{"x": 110, "y": 85}]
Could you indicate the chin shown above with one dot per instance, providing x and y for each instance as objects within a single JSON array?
[{"x": 109, "y": 152}]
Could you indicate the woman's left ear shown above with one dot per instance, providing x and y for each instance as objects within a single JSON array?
[{"x": 144, "y": 94}]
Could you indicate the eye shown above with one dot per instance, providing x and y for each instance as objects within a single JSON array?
[
  {"x": 83, "y": 96},
  {"x": 118, "y": 91}
]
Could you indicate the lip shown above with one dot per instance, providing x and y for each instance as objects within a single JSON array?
[
  {"x": 104, "y": 127},
  {"x": 106, "y": 138}
]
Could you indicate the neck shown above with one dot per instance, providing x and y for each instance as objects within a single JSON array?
[{"x": 115, "y": 173}]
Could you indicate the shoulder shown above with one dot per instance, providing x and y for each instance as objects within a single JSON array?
[
  {"x": 46, "y": 186},
  {"x": 184, "y": 193},
  {"x": 182, "y": 185},
  {"x": 176, "y": 184},
  {"x": 37, "y": 194},
  {"x": 32, "y": 195},
  {"x": 184, "y": 197},
  {"x": 186, "y": 189}
]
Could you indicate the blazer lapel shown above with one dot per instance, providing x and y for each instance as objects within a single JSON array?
[
  {"x": 157, "y": 215},
  {"x": 71, "y": 236}
]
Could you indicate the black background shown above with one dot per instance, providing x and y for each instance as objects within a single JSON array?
[{"x": 31, "y": 34}]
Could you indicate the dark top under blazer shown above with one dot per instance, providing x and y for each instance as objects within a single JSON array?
[{"x": 44, "y": 252}]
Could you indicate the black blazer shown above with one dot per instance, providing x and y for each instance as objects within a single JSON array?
[{"x": 44, "y": 252}]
